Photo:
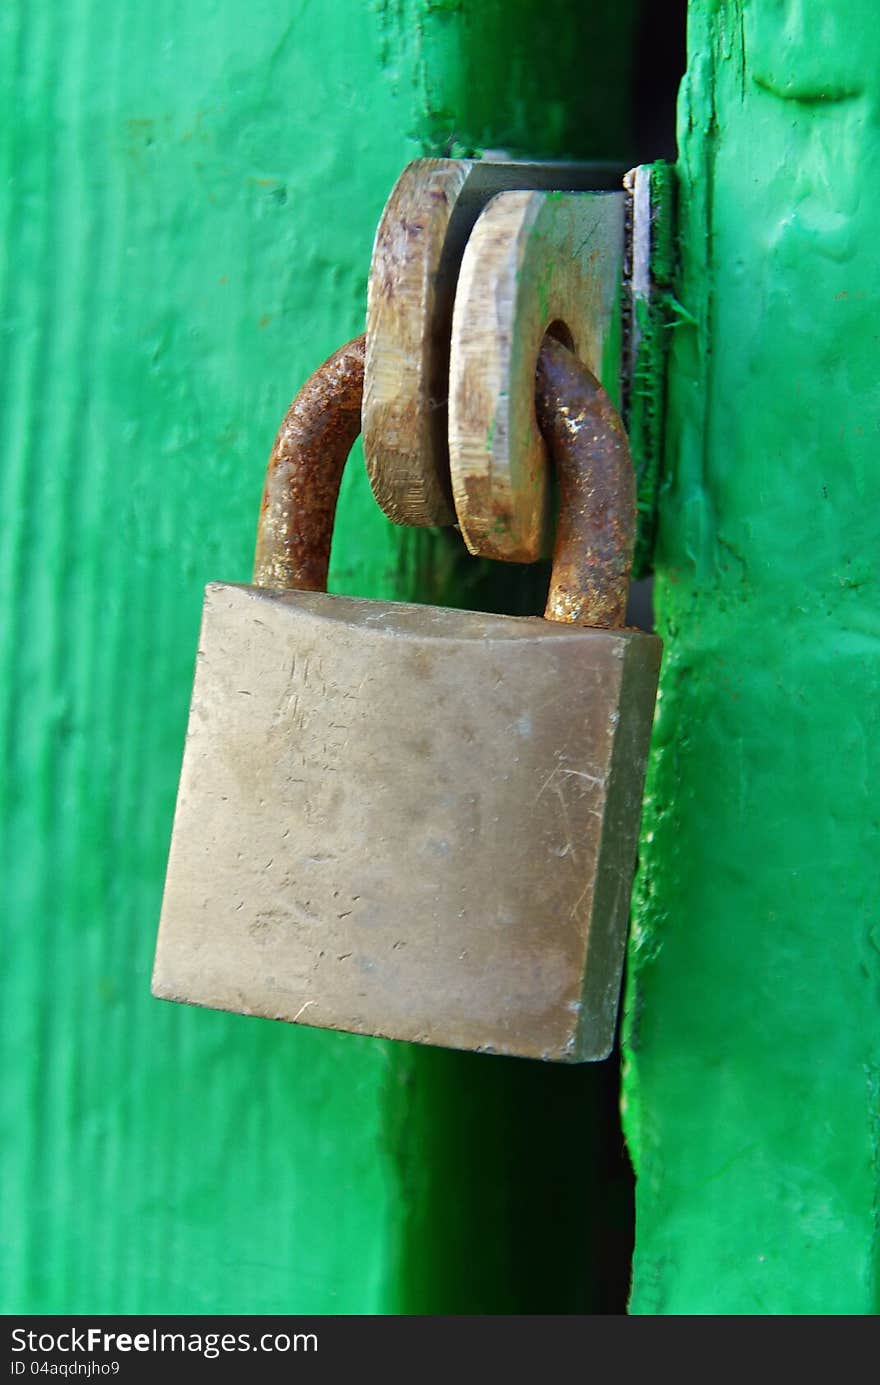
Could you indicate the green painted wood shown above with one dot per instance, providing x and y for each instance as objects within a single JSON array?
[
  {"x": 753, "y": 1037},
  {"x": 189, "y": 199}
]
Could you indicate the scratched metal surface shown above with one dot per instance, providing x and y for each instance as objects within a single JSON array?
[{"x": 408, "y": 821}]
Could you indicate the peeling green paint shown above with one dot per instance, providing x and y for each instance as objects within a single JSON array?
[{"x": 753, "y": 1030}]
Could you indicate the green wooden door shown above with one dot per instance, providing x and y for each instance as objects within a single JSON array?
[
  {"x": 190, "y": 194},
  {"x": 754, "y": 1010}
]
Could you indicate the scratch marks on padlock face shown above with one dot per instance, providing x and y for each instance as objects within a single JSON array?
[
  {"x": 301, "y": 1011},
  {"x": 266, "y": 924},
  {"x": 552, "y": 784},
  {"x": 571, "y": 786},
  {"x": 402, "y": 854},
  {"x": 596, "y": 780}
]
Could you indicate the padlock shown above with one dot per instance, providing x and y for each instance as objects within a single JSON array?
[{"x": 407, "y": 821}]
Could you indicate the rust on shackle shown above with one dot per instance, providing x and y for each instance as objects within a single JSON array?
[
  {"x": 596, "y": 528},
  {"x": 585, "y": 437},
  {"x": 305, "y": 468}
]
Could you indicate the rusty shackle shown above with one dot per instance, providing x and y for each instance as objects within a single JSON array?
[{"x": 587, "y": 443}]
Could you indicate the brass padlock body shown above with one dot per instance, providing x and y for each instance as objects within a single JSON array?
[{"x": 408, "y": 821}]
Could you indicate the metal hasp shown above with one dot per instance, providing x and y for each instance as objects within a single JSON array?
[
  {"x": 536, "y": 262},
  {"x": 409, "y": 821},
  {"x": 420, "y": 242},
  {"x": 473, "y": 263}
]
